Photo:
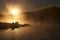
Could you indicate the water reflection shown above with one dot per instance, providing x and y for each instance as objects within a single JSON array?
[{"x": 14, "y": 34}]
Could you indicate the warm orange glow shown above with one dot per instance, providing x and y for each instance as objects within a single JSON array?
[
  {"x": 11, "y": 21},
  {"x": 14, "y": 11}
]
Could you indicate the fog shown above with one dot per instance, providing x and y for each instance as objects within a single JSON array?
[{"x": 44, "y": 27}]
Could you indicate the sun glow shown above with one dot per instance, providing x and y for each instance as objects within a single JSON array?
[
  {"x": 11, "y": 21},
  {"x": 15, "y": 11}
]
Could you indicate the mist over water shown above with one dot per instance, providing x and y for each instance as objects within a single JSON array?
[
  {"x": 42, "y": 15},
  {"x": 44, "y": 27}
]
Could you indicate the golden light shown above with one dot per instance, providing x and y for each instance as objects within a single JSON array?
[
  {"x": 14, "y": 11},
  {"x": 17, "y": 16},
  {"x": 11, "y": 21}
]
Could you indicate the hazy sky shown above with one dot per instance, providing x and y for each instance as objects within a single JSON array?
[{"x": 29, "y": 5}]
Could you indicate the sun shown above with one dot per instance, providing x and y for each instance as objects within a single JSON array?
[{"x": 14, "y": 11}]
